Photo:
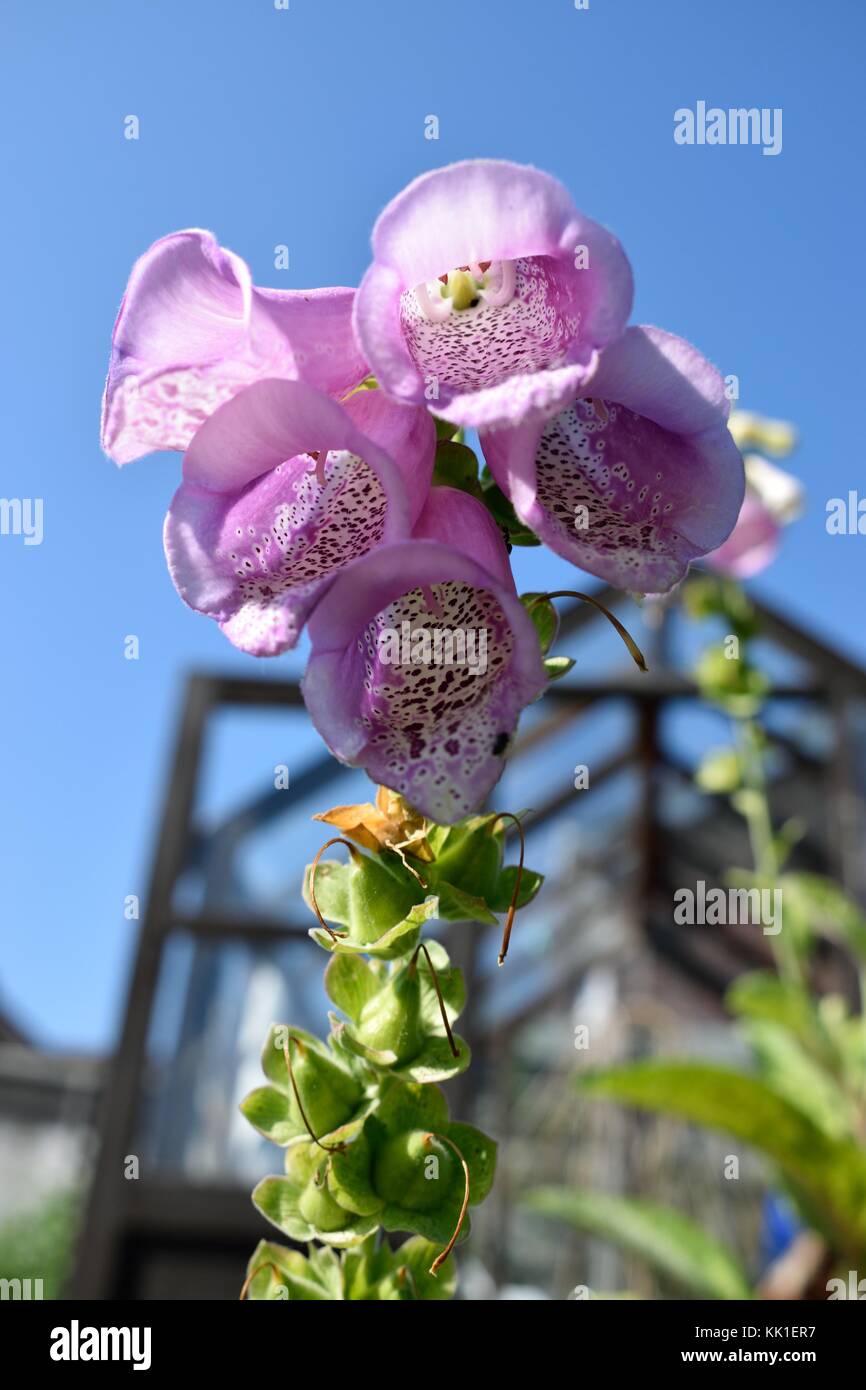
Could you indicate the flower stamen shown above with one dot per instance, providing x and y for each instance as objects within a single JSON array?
[{"x": 484, "y": 282}]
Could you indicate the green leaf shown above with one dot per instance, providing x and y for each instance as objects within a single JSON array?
[
  {"x": 794, "y": 1074},
  {"x": 457, "y": 906},
  {"x": 417, "y": 1255},
  {"x": 332, "y": 890},
  {"x": 762, "y": 994},
  {"x": 530, "y": 882},
  {"x": 828, "y": 1176},
  {"x": 365, "y": 1267},
  {"x": 544, "y": 616},
  {"x": 456, "y": 466},
  {"x": 828, "y": 909},
  {"x": 397, "y": 941},
  {"x": 479, "y": 1150},
  {"x": 445, "y": 429},
  {"x": 557, "y": 666},
  {"x": 468, "y": 860},
  {"x": 436, "y": 1062},
  {"x": 267, "y": 1110},
  {"x": 669, "y": 1241},
  {"x": 451, "y": 983},
  {"x": 503, "y": 513},
  {"x": 326, "y": 1267},
  {"x": 284, "y": 1273},
  {"x": 351, "y": 981}
]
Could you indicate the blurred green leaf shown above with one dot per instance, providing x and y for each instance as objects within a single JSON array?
[
  {"x": 663, "y": 1237},
  {"x": 762, "y": 995},
  {"x": 792, "y": 1073},
  {"x": 789, "y": 834},
  {"x": 829, "y": 910},
  {"x": 732, "y": 682},
  {"x": 720, "y": 770},
  {"x": 712, "y": 596},
  {"x": 38, "y": 1243},
  {"x": 828, "y": 1176}
]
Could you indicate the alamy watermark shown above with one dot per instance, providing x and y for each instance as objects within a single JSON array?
[
  {"x": 854, "y": 1287},
  {"x": 22, "y": 516},
  {"x": 719, "y": 907},
  {"x": 738, "y": 125},
  {"x": 436, "y": 646},
  {"x": 21, "y": 1289}
]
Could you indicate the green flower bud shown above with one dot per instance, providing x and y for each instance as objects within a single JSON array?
[{"x": 414, "y": 1169}]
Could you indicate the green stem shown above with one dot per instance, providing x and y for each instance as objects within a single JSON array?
[{"x": 759, "y": 822}]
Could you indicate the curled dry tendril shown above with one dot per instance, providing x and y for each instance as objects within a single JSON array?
[{"x": 443, "y": 1255}]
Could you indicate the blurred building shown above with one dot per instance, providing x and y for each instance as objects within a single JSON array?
[{"x": 48, "y": 1104}]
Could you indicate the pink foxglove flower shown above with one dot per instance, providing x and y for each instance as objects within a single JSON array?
[
  {"x": 283, "y": 488},
  {"x": 429, "y": 716},
  {"x": 489, "y": 295},
  {"x": 773, "y": 499},
  {"x": 638, "y": 475},
  {"x": 193, "y": 330}
]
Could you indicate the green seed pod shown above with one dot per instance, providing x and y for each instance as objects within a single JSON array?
[
  {"x": 330, "y": 1095},
  {"x": 317, "y": 1206},
  {"x": 414, "y": 1169},
  {"x": 377, "y": 900},
  {"x": 391, "y": 1020}
]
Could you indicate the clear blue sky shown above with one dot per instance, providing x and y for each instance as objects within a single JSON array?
[{"x": 295, "y": 127}]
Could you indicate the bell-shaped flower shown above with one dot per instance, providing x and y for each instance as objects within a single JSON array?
[
  {"x": 639, "y": 475},
  {"x": 489, "y": 294},
  {"x": 283, "y": 488},
  {"x": 422, "y": 657},
  {"x": 773, "y": 499},
  {"x": 193, "y": 330}
]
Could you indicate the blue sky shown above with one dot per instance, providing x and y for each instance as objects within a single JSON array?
[{"x": 272, "y": 126}]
